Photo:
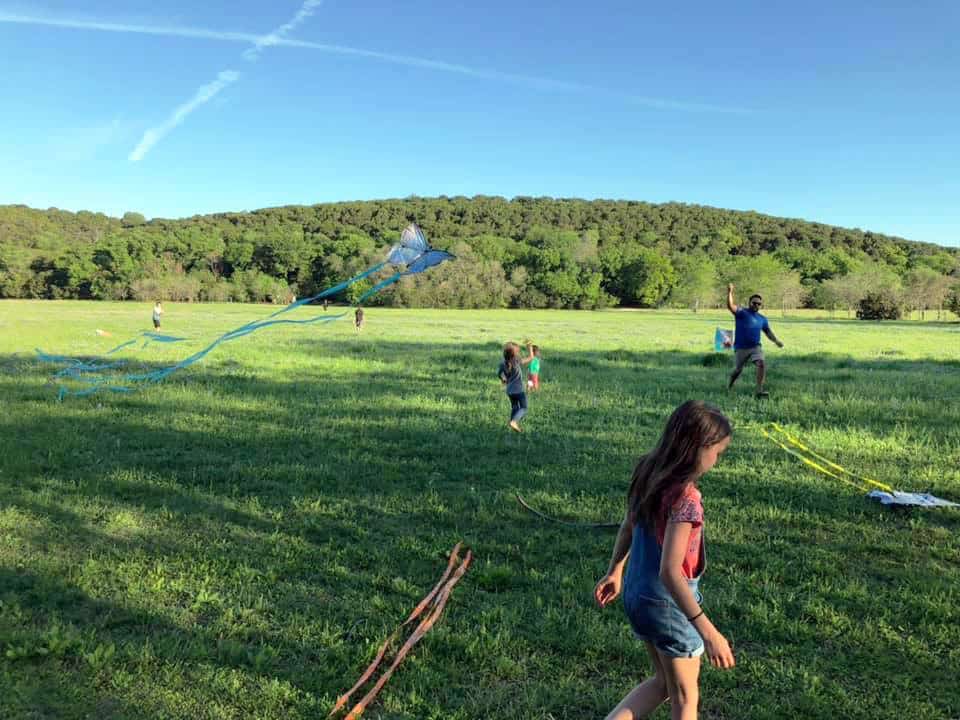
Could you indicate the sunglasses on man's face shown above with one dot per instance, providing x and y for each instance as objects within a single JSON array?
[{"x": 755, "y": 303}]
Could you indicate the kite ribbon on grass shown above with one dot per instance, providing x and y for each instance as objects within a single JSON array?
[
  {"x": 799, "y": 450},
  {"x": 565, "y": 522},
  {"x": 875, "y": 489}
]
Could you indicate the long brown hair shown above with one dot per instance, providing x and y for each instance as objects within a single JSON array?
[
  {"x": 511, "y": 358},
  {"x": 661, "y": 475}
]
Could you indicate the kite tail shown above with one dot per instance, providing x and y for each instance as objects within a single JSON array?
[
  {"x": 121, "y": 346},
  {"x": 839, "y": 468},
  {"x": 77, "y": 367},
  {"x": 98, "y": 384},
  {"x": 328, "y": 292},
  {"x": 379, "y": 286}
]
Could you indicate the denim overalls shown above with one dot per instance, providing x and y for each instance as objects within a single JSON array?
[{"x": 651, "y": 610}]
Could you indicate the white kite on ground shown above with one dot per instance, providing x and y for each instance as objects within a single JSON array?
[
  {"x": 904, "y": 498},
  {"x": 874, "y": 488}
]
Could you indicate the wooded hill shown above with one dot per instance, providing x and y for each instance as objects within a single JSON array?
[{"x": 525, "y": 252}]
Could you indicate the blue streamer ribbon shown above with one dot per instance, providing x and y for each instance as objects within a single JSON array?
[
  {"x": 79, "y": 368},
  {"x": 413, "y": 253}
]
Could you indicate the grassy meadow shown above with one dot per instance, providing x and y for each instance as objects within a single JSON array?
[{"x": 236, "y": 542}]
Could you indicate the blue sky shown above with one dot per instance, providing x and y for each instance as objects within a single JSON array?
[{"x": 844, "y": 113}]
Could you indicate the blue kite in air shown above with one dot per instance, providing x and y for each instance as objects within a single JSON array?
[{"x": 411, "y": 255}]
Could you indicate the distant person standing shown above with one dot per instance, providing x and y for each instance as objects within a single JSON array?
[
  {"x": 358, "y": 319},
  {"x": 746, "y": 339},
  {"x": 157, "y": 312}
]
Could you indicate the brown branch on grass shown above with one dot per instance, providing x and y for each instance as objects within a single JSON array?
[{"x": 436, "y": 599}]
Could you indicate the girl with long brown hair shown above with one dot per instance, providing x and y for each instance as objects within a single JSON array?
[
  {"x": 662, "y": 535},
  {"x": 510, "y": 373}
]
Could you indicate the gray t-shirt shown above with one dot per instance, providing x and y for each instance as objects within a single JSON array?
[{"x": 514, "y": 379}]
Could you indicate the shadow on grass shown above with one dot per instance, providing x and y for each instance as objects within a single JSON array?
[{"x": 312, "y": 509}]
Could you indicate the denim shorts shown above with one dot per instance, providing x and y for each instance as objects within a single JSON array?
[{"x": 660, "y": 621}]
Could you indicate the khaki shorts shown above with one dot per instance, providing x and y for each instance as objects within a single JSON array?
[{"x": 742, "y": 357}]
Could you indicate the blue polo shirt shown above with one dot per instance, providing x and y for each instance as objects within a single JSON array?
[{"x": 749, "y": 325}]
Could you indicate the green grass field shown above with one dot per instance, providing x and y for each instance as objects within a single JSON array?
[{"x": 237, "y": 541}]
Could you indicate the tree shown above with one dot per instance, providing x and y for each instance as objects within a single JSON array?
[
  {"x": 758, "y": 274},
  {"x": 15, "y": 273},
  {"x": 586, "y": 251},
  {"x": 920, "y": 288},
  {"x": 790, "y": 292},
  {"x": 952, "y": 300},
  {"x": 815, "y": 265},
  {"x": 942, "y": 261},
  {"x": 557, "y": 246},
  {"x": 647, "y": 280},
  {"x": 939, "y": 292},
  {"x": 696, "y": 281},
  {"x": 879, "y": 305},
  {"x": 838, "y": 292},
  {"x": 238, "y": 254},
  {"x": 470, "y": 281},
  {"x": 720, "y": 242}
]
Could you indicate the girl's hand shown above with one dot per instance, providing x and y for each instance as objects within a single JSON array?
[
  {"x": 607, "y": 589},
  {"x": 718, "y": 650}
]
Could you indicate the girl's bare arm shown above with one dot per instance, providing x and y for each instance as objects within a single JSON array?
[
  {"x": 675, "y": 542},
  {"x": 609, "y": 586},
  {"x": 621, "y": 546}
]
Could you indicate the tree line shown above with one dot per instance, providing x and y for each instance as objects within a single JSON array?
[{"x": 524, "y": 252}]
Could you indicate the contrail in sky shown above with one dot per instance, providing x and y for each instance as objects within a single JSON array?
[
  {"x": 274, "y": 38},
  {"x": 152, "y": 136},
  {"x": 206, "y": 93},
  {"x": 278, "y": 38}
]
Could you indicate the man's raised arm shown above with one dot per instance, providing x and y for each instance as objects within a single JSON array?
[{"x": 731, "y": 306}]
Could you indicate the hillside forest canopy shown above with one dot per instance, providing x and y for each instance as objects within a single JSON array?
[{"x": 524, "y": 253}]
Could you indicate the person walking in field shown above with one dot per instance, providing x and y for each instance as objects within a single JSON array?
[
  {"x": 510, "y": 372},
  {"x": 358, "y": 319},
  {"x": 661, "y": 542},
  {"x": 157, "y": 312},
  {"x": 746, "y": 339}
]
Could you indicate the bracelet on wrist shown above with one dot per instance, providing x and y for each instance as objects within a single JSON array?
[{"x": 691, "y": 619}]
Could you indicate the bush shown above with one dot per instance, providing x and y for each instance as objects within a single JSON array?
[
  {"x": 530, "y": 297},
  {"x": 146, "y": 289},
  {"x": 952, "y": 301},
  {"x": 219, "y": 291},
  {"x": 879, "y": 305}
]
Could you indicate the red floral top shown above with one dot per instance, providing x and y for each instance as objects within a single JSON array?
[{"x": 687, "y": 508}]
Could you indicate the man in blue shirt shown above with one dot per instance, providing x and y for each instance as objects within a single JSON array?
[{"x": 746, "y": 338}]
